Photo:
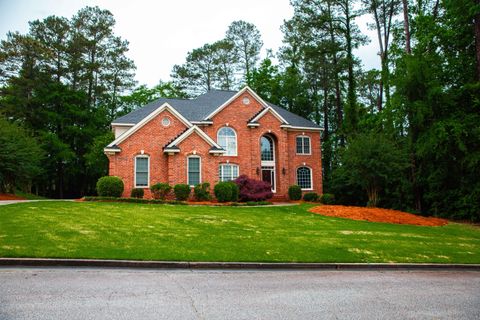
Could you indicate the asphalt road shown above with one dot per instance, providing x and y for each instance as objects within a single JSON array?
[{"x": 76, "y": 293}]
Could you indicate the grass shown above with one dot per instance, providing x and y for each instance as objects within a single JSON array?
[{"x": 276, "y": 234}]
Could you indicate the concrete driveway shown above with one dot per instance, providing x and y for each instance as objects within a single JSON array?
[{"x": 75, "y": 293}]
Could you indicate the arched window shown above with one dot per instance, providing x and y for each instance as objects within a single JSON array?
[
  {"x": 227, "y": 139},
  {"x": 266, "y": 147},
  {"x": 142, "y": 171},
  {"x": 304, "y": 178}
]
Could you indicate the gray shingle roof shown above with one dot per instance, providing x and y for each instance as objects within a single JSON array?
[{"x": 199, "y": 108}]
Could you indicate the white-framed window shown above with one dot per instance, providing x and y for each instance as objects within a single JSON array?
[
  {"x": 142, "y": 171},
  {"x": 266, "y": 149},
  {"x": 227, "y": 139},
  {"x": 304, "y": 178},
  {"x": 227, "y": 172},
  {"x": 303, "y": 145},
  {"x": 194, "y": 175}
]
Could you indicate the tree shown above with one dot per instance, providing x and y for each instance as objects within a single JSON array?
[
  {"x": 20, "y": 157},
  {"x": 226, "y": 59},
  {"x": 247, "y": 42},
  {"x": 199, "y": 72},
  {"x": 63, "y": 81},
  {"x": 371, "y": 161},
  {"x": 383, "y": 13}
]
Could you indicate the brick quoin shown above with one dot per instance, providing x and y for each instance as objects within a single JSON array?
[{"x": 153, "y": 137}]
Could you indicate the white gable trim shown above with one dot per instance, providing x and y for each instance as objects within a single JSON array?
[
  {"x": 269, "y": 109},
  {"x": 145, "y": 120},
  {"x": 187, "y": 133},
  {"x": 239, "y": 93},
  {"x": 294, "y": 128}
]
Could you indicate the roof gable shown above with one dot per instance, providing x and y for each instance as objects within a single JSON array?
[
  {"x": 147, "y": 119},
  {"x": 173, "y": 146}
]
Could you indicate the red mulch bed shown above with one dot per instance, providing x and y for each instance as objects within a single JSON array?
[
  {"x": 6, "y": 196},
  {"x": 377, "y": 215}
]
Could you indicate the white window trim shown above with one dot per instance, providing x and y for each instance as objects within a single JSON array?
[
  {"x": 135, "y": 171},
  {"x": 199, "y": 170},
  {"x": 311, "y": 177},
  {"x": 236, "y": 142},
  {"x": 228, "y": 164},
  {"x": 309, "y": 144}
]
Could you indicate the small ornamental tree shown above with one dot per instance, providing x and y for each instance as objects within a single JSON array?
[
  {"x": 182, "y": 191},
  {"x": 294, "y": 192},
  {"x": 160, "y": 190},
  {"x": 110, "y": 186},
  {"x": 253, "y": 190}
]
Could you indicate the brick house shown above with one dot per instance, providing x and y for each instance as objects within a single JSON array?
[{"x": 216, "y": 137}]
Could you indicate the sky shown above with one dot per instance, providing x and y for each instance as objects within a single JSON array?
[{"x": 162, "y": 32}]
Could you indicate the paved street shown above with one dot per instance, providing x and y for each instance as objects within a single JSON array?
[{"x": 76, "y": 293}]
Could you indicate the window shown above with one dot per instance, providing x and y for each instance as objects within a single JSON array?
[
  {"x": 193, "y": 171},
  {"x": 142, "y": 164},
  {"x": 227, "y": 139},
  {"x": 228, "y": 172},
  {"x": 303, "y": 145},
  {"x": 266, "y": 147},
  {"x": 304, "y": 178},
  {"x": 165, "y": 122}
]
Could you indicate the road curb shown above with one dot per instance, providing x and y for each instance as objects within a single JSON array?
[{"x": 39, "y": 262}]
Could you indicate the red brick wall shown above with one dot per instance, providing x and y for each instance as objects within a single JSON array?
[
  {"x": 151, "y": 138},
  {"x": 173, "y": 169}
]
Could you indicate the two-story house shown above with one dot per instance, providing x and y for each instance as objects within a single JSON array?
[{"x": 216, "y": 137}]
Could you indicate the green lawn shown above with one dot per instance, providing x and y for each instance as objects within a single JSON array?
[{"x": 165, "y": 232}]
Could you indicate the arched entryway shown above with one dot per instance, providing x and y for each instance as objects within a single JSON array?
[{"x": 267, "y": 152}]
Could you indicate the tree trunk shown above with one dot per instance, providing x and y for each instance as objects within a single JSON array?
[{"x": 408, "y": 49}]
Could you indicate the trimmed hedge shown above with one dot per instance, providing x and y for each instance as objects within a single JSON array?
[
  {"x": 137, "y": 193},
  {"x": 294, "y": 192},
  {"x": 201, "y": 192},
  {"x": 181, "y": 191},
  {"x": 223, "y": 192},
  {"x": 235, "y": 191},
  {"x": 253, "y": 190},
  {"x": 327, "y": 198},
  {"x": 310, "y": 196},
  {"x": 226, "y": 191},
  {"x": 160, "y": 190},
  {"x": 110, "y": 186}
]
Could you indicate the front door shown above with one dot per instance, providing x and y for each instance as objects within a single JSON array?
[{"x": 268, "y": 175}]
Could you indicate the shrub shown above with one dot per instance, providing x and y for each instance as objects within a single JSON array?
[
  {"x": 110, "y": 186},
  {"x": 137, "y": 193},
  {"x": 160, "y": 190},
  {"x": 182, "y": 191},
  {"x": 201, "y": 192},
  {"x": 294, "y": 192},
  {"x": 253, "y": 190},
  {"x": 226, "y": 191},
  {"x": 310, "y": 196},
  {"x": 327, "y": 198},
  {"x": 235, "y": 191},
  {"x": 223, "y": 191}
]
